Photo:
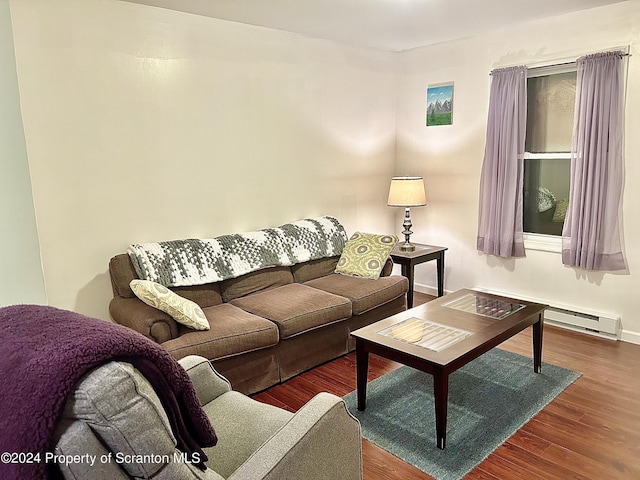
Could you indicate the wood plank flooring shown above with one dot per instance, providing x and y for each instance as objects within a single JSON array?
[{"x": 590, "y": 431}]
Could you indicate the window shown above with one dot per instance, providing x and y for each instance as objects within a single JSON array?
[{"x": 551, "y": 95}]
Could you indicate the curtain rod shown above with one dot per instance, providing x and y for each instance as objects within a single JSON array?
[
  {"x": 571, "y": 63},
  {"x": 561, "y": 64}
]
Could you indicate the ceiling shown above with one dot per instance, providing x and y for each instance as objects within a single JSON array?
[{"x": 387, "y": 24}]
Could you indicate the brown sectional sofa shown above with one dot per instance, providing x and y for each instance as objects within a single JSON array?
[{"x": 269, "y": 325}]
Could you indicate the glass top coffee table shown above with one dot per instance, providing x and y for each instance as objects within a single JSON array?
[{"x": 441, "y": 336}]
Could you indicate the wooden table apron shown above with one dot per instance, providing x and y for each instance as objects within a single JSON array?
[{"x": 410, "y": 355}]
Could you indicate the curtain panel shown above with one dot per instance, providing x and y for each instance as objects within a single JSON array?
[
  {"x": 500, "y": 206},
  {"x": 591, "y": 236}
]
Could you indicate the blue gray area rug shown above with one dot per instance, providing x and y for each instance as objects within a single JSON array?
[{"x": 489, "y": 400}]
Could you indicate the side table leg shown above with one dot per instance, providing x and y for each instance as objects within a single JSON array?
[
  {"x": 440, "y": 394},
  {"x": 407, "y": 271},
  {"x": 362, "y": 371},
  {"x": 440, "y": 273},
  {"x": 537, "y": 343}
]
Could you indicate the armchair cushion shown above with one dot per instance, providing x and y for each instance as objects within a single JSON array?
[
  {"x": 107, "y": 399},
  {"x": 115, "y": 409},
  {"x": 243, "y": 425},
  {"x": 76, "y": 438}
]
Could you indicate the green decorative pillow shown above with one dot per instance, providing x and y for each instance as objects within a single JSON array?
[
  {"x": 365, "y": 254},
  {"x": 182, "y": 310},
  {"x": 561, "y": 210}
]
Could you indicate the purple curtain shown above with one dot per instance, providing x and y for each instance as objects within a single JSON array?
[
  {"x": 591, "y": 232},
  {"x": 500, "y": 211}
]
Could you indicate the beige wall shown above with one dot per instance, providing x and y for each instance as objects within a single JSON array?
[
  {"x": 144, "y": 124},
  {"x": 21, "y": 278},
  {"x": 451, "y": 157}
]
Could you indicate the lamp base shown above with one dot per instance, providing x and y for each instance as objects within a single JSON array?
[{"x": 407, "y": 247}]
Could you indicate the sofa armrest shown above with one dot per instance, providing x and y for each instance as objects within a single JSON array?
[
  {"x": 387, "y": 269},
  {"x": 209, "y": 384},
  {"x": 322, "y": 441},
  {"x": 149, "y": 321}
]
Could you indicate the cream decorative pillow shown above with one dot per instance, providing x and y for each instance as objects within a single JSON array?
[
  {"x": 182, "y": 310},
  {"x": 365, "y": 254}
]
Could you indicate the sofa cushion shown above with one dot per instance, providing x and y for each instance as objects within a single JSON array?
[
  {"x": 303, "y": 272},
  {"x": 296, "y": 308},
  {"x": 264, "y": 279},
  {"x": 181, "y": 310},
  {"x": 365, "y": 254},
  {"x": 204, "y": 295},
  {"x": 233, "y": 331},
  {"x": 364, "y": 293}
]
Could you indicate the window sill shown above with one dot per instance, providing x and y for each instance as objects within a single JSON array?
[{"x": 543, "y": 243}]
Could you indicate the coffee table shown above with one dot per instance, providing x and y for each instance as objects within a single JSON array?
[{"x": 442, "y": 335}]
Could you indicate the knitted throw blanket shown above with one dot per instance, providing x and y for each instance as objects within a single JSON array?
[
  {"x": 196, "y": 262},
  {"x": 44, "y": 351}
]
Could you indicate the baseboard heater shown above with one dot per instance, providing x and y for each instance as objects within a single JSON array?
[{"x": 594, "y": 323}]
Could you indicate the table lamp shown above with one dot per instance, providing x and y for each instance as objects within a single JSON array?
[{"x": 407, "y": 192}]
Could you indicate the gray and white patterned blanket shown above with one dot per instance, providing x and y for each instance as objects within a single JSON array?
[{"x": 196, "y": 262}]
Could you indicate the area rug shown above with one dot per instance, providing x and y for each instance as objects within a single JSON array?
[{"x": 490, "y": 398}]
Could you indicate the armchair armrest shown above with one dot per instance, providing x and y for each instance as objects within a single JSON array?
[
  {"x": 208, "y": 383},
  {"x": 149, "y": 321},
  {"x": 322, "y": 441}
]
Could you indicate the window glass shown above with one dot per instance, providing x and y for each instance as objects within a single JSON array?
[
  {"x": 546, "y": 194},
  {"x": 550, "y": 105},
  {"x": 547, "y": 164}
]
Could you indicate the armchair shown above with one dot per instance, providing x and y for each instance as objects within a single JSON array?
[{"x": 128, "y": 433}]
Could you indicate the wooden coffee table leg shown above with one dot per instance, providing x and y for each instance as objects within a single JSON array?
[
  {"x": 362, "y": 371},
  {"x": 440, "y": 394},
  {"x": 537, "y": 344}
]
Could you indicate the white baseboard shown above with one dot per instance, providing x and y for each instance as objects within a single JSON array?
[
  {"x": 629, "y": 336},
  {"x": 429, "y": 290}
]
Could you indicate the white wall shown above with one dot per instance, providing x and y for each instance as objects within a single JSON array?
[
  {"x": 450, "y": 158},
  {"x": 144, "y": 124},
  {"x": 21, "y": 279}
]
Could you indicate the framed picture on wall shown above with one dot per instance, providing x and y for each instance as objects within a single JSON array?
[{"x": 440, "y": 104}]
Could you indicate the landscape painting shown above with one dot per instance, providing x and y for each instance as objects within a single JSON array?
[{"x": 440, "y": 104}]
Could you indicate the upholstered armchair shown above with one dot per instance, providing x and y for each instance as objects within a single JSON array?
[{"x": 115, "y": 427}]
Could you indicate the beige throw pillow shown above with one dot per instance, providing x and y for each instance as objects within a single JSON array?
[
  {"x": 365, "y": 254},
  {"x": 182, "y": 310}
]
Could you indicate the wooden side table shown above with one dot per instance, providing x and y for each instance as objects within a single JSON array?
[{"x": 422, "y": 253}]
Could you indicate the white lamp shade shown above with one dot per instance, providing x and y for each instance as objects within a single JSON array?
[{"x": 407, "y": 192}]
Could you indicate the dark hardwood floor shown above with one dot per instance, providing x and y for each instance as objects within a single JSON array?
[{"x": 590, "y": 431}]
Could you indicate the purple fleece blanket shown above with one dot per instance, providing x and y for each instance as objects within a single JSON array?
[{"x": 44, "y": 351}]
